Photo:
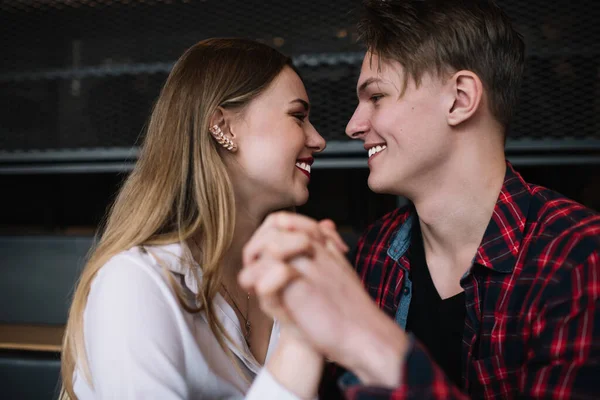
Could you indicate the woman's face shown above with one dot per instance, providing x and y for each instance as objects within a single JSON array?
[{"x": 276, "y": 142}]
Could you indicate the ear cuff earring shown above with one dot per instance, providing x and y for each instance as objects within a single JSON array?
[{"x": 222, "y": 139}]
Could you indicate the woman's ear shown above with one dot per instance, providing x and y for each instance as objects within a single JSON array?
[
  {"x": 220, "y": 129},
  {"x": 466, "y": 92}
]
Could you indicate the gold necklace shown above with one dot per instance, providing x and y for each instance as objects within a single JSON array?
[{"x": 246, "y": 320}]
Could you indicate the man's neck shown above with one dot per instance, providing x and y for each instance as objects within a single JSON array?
[{"x": 456, "y": 207}]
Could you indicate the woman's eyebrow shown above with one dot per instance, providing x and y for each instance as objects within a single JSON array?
[{"x": 304, "y": 103}]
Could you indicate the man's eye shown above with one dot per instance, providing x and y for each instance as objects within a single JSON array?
[{"x": 375, "y": 98}]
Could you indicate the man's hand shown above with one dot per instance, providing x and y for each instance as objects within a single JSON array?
[{"x": 295, "y": 266}]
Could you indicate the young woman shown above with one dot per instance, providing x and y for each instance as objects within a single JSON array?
[{"x": 158, "y": 312}]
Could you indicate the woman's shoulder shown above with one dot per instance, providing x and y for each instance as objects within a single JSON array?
[
  {"x": 132, "y": 291},
  {"x": 133, "y": 315},
  {"x": 140, "y": 269},
  {"x": 134, "y": 263},
  {"x": 150, "y": 259}
]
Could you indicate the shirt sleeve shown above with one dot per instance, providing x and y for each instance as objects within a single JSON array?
[
  {"x": 422, "y": 379},
  {"x": 132, "y": 335},
  {"x": 563, "y": 358}
]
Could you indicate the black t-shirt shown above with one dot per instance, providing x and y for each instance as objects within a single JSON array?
[{"x": 437, "y": 323}]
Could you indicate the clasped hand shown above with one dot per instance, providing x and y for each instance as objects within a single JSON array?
[{"x": 298, "y": 269}]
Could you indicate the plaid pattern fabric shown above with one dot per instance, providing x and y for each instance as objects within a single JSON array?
[{"x": 532, "y": 297}]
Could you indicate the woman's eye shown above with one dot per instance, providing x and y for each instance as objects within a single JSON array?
[{"x": 299, "y": 116}]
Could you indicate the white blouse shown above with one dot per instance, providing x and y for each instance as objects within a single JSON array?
[{"x": 141, "y": 344}]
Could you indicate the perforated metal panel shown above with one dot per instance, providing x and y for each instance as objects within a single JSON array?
[
  {"x": 83, "y": 74},
  {"x": 560, "y": 94}
]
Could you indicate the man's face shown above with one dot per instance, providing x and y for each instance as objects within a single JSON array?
[{"x": 407, "y": 134}]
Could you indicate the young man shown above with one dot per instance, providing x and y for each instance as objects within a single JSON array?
[{"x": 497, "y": 280}]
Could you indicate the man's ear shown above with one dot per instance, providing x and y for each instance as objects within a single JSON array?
[{"x": 465, "y": 94}]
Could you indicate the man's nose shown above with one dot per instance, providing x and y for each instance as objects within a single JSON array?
[{"x": 358, "y": 124}]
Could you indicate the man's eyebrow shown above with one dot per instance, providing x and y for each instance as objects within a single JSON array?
[
  {"x": 363, "y": 86},
  {"x": 304, "y": 103}
]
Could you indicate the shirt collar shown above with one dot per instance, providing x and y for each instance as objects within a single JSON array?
[
  {"x": 400, "y": 241},
  {"x": 503, "y": 236},
  {"x": 177, "y": 258}
]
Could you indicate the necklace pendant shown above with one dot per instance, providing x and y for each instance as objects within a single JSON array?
[{"x": 247, "y": 335}]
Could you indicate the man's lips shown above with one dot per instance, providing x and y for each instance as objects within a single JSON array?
[{"x": 375, "y": 149}]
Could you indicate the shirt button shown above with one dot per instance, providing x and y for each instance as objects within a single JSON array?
[{"x": 406, "y": 290}]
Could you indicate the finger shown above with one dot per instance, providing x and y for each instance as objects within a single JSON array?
[
  {"x": 275, "y": 280},
  {"x": 324, "y": 264},
  {"x": 266, "y": 276},
  {"x": 329, "y": 230},
  {"x": 327, "y": 224},
  {"x": 334, "y": 251},
  {"x": 270, "y": 223},
  {"x": 319, "y": 231},
  {"x": 269, "y": 300},
  {"x": 270, "y": 290},
  {"x": 250, "y": 252},
  {"x": 273, "y": 306},
  {"x": 288, "y": 221},
  {"x": 253, "y": 272},
  {"x": 276, "y": 244},
  {"x": 249, "y": 274},
  {"x": 286, "y": 245},
  {"x": 293, "y": 222},
  {"x": 296, "y": 223},
  {"x": 305, "y": 266}
]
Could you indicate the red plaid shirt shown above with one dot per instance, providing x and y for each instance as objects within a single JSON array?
[{"x": 532, "y": 296}]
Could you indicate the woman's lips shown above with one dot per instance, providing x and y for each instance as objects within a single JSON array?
[{"x": 303, "y": 164}]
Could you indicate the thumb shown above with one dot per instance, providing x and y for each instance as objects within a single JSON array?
[{"x": 329, "y": 229}]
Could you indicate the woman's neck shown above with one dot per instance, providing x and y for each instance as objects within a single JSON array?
[{"x": 245, "y": 226}]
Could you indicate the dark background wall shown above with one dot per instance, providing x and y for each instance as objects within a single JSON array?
[{"x": 78, "y": 78}]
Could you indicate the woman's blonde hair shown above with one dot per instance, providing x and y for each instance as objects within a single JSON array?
[{"x": 180, "y": 186}]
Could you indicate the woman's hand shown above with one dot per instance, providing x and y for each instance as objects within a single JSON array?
[
  {"x": 295, "y": 364},
  {"x": 301, "y": 277}
]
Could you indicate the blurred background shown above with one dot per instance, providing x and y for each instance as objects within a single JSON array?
[{"x": 78, "y": 79}]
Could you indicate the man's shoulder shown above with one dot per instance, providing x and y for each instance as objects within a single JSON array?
[
  {"x": 555, "y": 214},
  {"x": 562, "y": 227}
]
